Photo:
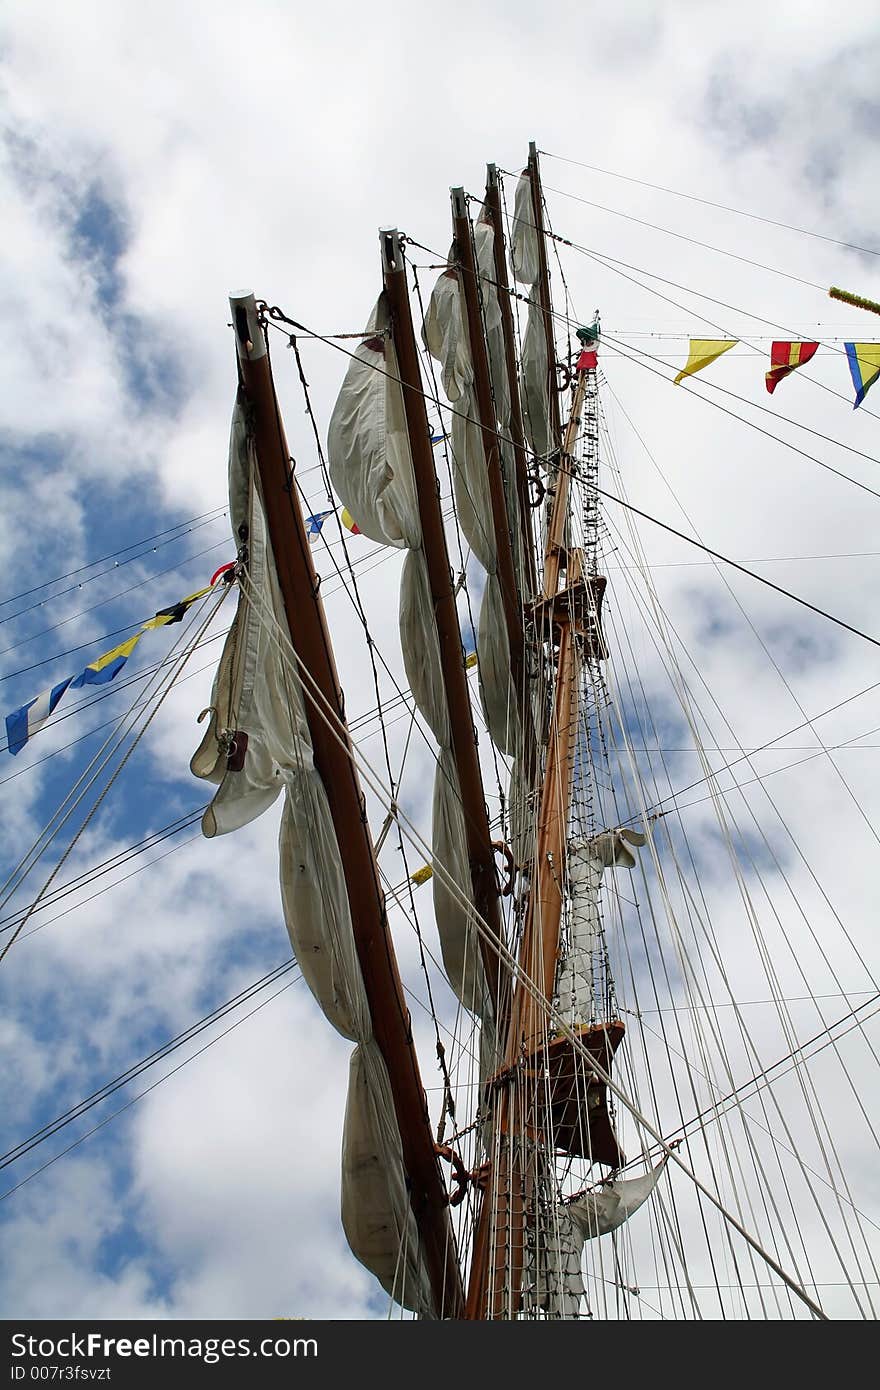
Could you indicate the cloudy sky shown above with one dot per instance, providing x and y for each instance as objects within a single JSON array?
[{"x": 152, "y": 162}]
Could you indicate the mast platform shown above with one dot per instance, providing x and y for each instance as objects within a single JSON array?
[
  {"x": 579, "y": 603},
  {"x": 568, "y": 1102}
]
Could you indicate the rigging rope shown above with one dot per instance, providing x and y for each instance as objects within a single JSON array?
[
  {"x": 25, "y": 593},
  {"x": 372, "y": 780},
  {"x": 716, "y": 555},
  {"x": 82, "y": 1138},
  {"x": 722, "y": 207},
  {"x": 110, "y": 754},
  {"x": 72, "y": 588}
]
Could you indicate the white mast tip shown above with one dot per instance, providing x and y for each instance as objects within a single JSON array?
[{"x": 249, "y": 337}]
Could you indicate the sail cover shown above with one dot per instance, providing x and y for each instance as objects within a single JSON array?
[
  {"x": 603, "y": 1211},
  {"x": 587, "y": 861},
  {"x": 257, "y": 746},
  {"x": 535, "y": 383}
]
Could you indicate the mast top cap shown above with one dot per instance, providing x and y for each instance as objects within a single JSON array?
[{"x": 392, "y": 255}]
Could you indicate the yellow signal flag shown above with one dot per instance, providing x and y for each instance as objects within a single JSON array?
[
  {"x": 124, "y": 650},
  {"x": 701, "y": 352},
  {"x": 422, "y": 875},
  {"x": 470, "y": 661}
]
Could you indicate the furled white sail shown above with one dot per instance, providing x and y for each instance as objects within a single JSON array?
[
  {"x": 446, "y": 338},
  {"x": 248, "y": 707},
  {"x": 484, "y": 248},
  {"x": 377, "y": 1215},
  {"x": 587, "y": 861},
  {"x": 368, "y": 446},
  {"x": 534, "y": 383},
  {"x": 462, "y": 960},
  {"x": 257, "y": 745},
  {"x": 554, "y": 1277},
  {"x": 600, "y": 1212},
  {"x": 316, "y": 911},
  {"x": 368, "y": 439},
  {"x": 524, "y": 236},
  {"x": 484, "y": 242},
  {"x": 534, "y": 366}
]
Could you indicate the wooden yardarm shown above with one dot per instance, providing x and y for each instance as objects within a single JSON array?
[{"x": 334, "y": 760}]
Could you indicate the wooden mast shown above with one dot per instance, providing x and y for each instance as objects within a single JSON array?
[
  {"x": 496, "y": 1279},
  {"x": 495, "y": 1287},
  {"x": 493, "y": 208},
  {"x": 333, "y": 756},
  {"x": 464, "y": 744}
]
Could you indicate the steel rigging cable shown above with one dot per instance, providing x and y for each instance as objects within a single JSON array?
[{"x": 707, "y": 202}]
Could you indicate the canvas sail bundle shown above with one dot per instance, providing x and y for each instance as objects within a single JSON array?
[
  {"x": 484, "y": 245},
  {"x": 377, "y": 1215},
  {"x": 250, "y": 689},
  {"x": 524, "y": 254},
  {"x": 446, "y": 338},
  {"x": 256, "y": 746},
  {"x": 534, "y": 368},
  {"x": 554, "y": 1264},
  {"x": 484, "y": 251},
  {"x": 534, "y": 383},
  {"x": 368, "y": 439}
]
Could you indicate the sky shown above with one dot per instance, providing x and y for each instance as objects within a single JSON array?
[{"x": 152, "y": 162}]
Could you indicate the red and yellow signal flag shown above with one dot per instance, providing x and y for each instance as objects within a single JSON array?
[{"x": 785, "y": 358}]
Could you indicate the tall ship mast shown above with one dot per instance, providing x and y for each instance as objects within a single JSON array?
[
  {"x": 540, "y": 1171},
  {"x": 559, "y": 1104}
]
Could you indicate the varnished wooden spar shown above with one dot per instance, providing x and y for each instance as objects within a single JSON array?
[
  {"x": 333, "y": 759},
  {"x": 495, "y": 1283},
  {"x": 481, "y": 857}
]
